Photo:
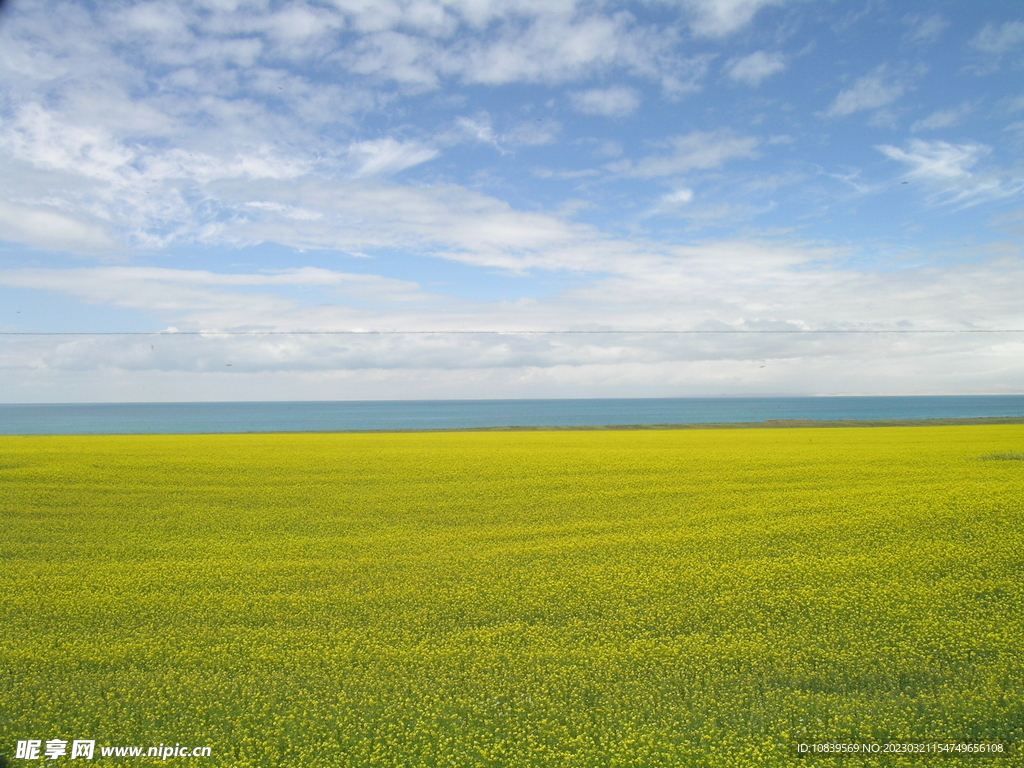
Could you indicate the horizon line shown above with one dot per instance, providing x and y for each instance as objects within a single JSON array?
[{"x": 513, "y": 332}]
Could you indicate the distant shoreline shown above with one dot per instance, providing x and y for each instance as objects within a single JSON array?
[{"x": 766, "y": 424}]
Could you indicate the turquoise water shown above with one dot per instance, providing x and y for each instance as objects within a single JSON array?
[{"x": 187, "y": 418}]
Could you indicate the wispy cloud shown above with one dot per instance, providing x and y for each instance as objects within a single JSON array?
[
  {"x": 872, "y": 91},
  {"x": 938, "y": 160},
  {"x": 506, "y": 43},
  {"x": 388, "y": 156},
  {"x": 616, "y": 101},
  {"x": 671, "y": 202},
  {"x": 926, "y": 29},
  {"x": 699, "y": 150},
  {"x": 507, "y": 165},
  {"x": 531, "y": 133},
  {"x": 210, "y": 299},
  {"x": 756, "y": 67},
  {"x": 943, "y": 118},
  {"x": 717, "y": 18},
  {"x": 719, "y": 285},
  {"x": 949, "y": 168},
  {"x": 45, "y": 228},
  {"x": 994, "y": 44},
  {"x": 999, "y": 38}
]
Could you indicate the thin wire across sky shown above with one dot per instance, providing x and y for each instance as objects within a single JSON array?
[{"x": 903, "y": 331}]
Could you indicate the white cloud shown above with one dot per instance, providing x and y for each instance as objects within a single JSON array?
[
  {"x": 608, "y": 148},
  {"x": 553, "y": 49},
  {"x": 938, "y": 160},
  {"x": 699, "y": 150},
  {"x": 142, "y": 194},
  {"x": 756, "y": 67},
  {"x": 547, "y": 173},
  {"x": 848, "y": 367},
  {"x": 134, "y": 124},
  {"x": 532, "y": 133},
  {"x": 926, "y": 29},
  {"x": 616, "y": 101},
  {"x": 671, "y": 202},
  {"x": 680, "y": 196},
  {"x": 390, "y": 55},
  {"x": 448, "y": 221},
  {"x": 213, "y": 300},
  {"x": 151, "y": 196},
  {"x": 208, "y": 125},
  {"x": 288, "y": 211},
  {"x": 949, "y": 168},
  {"x": 509, "y": 42},
  {"x": 42, "y": 139},
  {"x": 215, "y": 74},
  {"x": 160, "y": 19},
  {"x": 999, "y": 39},
  {"x": 388, "y": 156},
  {"x": 871, "y": 91},
  {"x": 943, "y": 118},
  {"x": 717, "y": 18},
  {"x": 717, "y": 285},
  {"x": 478, "y": 128},
  {"x": 49, "y": 229}
]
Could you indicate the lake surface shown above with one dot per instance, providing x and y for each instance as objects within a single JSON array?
[{"x": 189, "y": 418}]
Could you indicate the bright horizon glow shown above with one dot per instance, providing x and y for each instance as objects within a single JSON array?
[{"x": 460, "y": 165}]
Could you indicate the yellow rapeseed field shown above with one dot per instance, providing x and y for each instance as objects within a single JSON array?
[{"x": 565, "y": 599}]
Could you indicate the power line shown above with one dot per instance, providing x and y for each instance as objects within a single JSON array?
[{"x": 511, "y": 333}]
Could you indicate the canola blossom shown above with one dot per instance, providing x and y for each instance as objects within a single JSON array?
[{"x": 570, "y": 599}]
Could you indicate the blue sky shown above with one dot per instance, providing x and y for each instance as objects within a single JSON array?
[{"x": 510, "y": 166}]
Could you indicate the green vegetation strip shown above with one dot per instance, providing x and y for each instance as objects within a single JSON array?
[{"x": 543, "y": 598}]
